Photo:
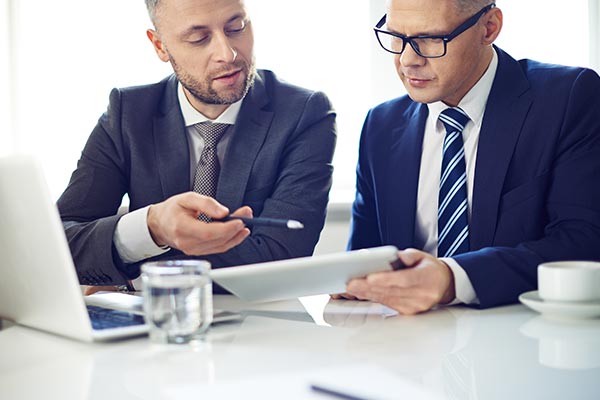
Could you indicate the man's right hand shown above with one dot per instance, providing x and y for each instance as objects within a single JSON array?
[{"x": 175, "y": 223}]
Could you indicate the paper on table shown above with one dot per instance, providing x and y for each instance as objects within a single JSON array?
[{"x": 368, "y": 381}]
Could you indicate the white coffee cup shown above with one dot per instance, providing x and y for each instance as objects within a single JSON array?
[{"x": 569, "y": 281}]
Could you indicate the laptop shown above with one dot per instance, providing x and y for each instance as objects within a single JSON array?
[{"x": 39, "y": 287}]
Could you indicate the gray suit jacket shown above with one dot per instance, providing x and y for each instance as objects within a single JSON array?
[{"x": 278, "y": 162}]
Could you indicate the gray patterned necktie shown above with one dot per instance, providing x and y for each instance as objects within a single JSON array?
[{"x": 207, "y": 171}]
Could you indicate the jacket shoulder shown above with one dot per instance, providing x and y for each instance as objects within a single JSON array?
[
  {"x": 389, "y": 113},
  {"x": 398, "y": 104},
  {"x": 547, "y": 79},
  {"x": 149, "y": 96},
  {"x": 273, "y": 83},
  {"x": 283, "y": 92}
]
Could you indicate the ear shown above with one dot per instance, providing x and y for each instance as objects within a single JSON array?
[
  {"x": 493, "y": 25},
  {"x": 159, "y": 46}
]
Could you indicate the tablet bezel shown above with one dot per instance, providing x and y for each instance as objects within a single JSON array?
[{"x": 305, "y": 276}]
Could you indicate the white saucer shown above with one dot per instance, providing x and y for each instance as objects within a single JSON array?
[{"x": 562, "y": 310}]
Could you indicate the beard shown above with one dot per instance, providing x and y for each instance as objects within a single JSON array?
[{"x": 204, "y": 91}]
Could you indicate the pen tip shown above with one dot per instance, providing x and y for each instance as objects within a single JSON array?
[{"x": 292, "y": 224}]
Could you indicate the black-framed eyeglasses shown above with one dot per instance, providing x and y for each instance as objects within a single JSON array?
[{"x": 428, "y": 46}]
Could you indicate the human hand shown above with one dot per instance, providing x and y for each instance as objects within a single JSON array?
[
  {"x": 87, "y": 290},
  {"x": 425, "y": 282},
  {"x": 339, "y": 296},
  {"x": 174, "y": 223}
]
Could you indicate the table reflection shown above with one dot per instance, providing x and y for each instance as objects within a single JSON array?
[{"x": 565, "y": 344}]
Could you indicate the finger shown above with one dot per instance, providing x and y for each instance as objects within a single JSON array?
[
  {"x": 406, "y": 302},
  {"x": 362, "y": 288},
  {"x": 412, "y": 294},
  {"x": 219, "y": 233},
  {"x": 359, "y": 288},
  {"x": 87, "y": 290},
  {"x": 203, "y": 205},
  {"x": 342, "y": 296},
  {"x": 196, "y": 248},
  {"x": 412, "y": 257},
  {"x": 244, "y": 212},
  {"x": 236, "y": 240},
  {"x": 404, "y": 306},
  {"x": 195, "y": 237},
  {"x": 406, "y": 278},
  {"x": 390, "y": 279}
]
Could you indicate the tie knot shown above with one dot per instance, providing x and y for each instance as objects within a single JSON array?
[
  {"x": 454, "y": 119},
  {"x": 211, "y": 132}
]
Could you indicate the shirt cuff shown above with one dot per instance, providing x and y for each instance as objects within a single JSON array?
[
  {"x": 464, "y": 291},
  {"x": 132, "y": 238}
]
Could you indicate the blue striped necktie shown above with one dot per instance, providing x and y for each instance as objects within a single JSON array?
[{"x": 453, "y": 222}]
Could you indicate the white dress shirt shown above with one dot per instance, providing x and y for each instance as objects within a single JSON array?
[
  {"x": 473, "y": 103},
  {"x": 132, "y": 238}
]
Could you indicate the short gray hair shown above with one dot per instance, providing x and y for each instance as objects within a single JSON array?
[
  {"x": 471, "y": 6},
  {"x": 152, "y": 5}
]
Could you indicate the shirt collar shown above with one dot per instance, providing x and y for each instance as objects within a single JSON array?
[
  {"x": 191, "y": 116},
  {"x": 473, "y": 103}
]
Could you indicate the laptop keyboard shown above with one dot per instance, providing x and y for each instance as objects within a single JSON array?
[{"x": 104, "y": 318}]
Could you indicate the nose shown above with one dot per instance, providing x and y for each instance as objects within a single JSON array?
[
  {"x": 410, "y": 58},
  {"x": 223, "y": 50}
]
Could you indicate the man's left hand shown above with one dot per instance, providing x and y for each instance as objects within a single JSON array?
[{"x": 425, "y": 282}]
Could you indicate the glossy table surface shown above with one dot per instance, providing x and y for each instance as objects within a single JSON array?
[{"x": 277, "y": 350}]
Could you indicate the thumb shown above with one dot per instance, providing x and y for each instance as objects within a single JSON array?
[
  {"x": 411, "y": 257},
  {"x": 204, "y": 205}
]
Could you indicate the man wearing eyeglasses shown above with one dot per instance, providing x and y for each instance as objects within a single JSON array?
[{"x": 488, "y": 167}]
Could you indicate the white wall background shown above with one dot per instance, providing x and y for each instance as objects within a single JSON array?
[{"x": 6, "y": 130}]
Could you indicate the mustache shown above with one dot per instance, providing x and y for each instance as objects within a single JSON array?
[{"x": 229, "y": 68}]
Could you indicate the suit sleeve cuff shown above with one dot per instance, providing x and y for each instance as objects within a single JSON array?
[
  {"x": 465, "y": 293},
  {"x": 132, "y": 238}
]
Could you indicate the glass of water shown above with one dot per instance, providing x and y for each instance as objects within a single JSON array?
[{"x": 177, "y": 299}]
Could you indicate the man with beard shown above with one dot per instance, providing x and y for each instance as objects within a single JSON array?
[{"x": 272, "y": 157}]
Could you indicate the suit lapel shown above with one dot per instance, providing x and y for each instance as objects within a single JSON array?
[
  {"x": 172, "y": 153},
  {"x": 401, "y": 181},
  {"x": 248, "y": 136},
  {"x": 507, "y": 107}
]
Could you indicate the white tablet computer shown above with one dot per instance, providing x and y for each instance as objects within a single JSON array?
[{"x": 306, "y": 276}]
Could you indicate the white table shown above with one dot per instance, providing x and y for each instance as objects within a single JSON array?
[{"x": 279, "y": 348}]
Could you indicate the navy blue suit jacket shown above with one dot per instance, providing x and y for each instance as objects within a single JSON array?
[
  {"x": 278, "y": 161},
  {"x": 536, "y": 193}
]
